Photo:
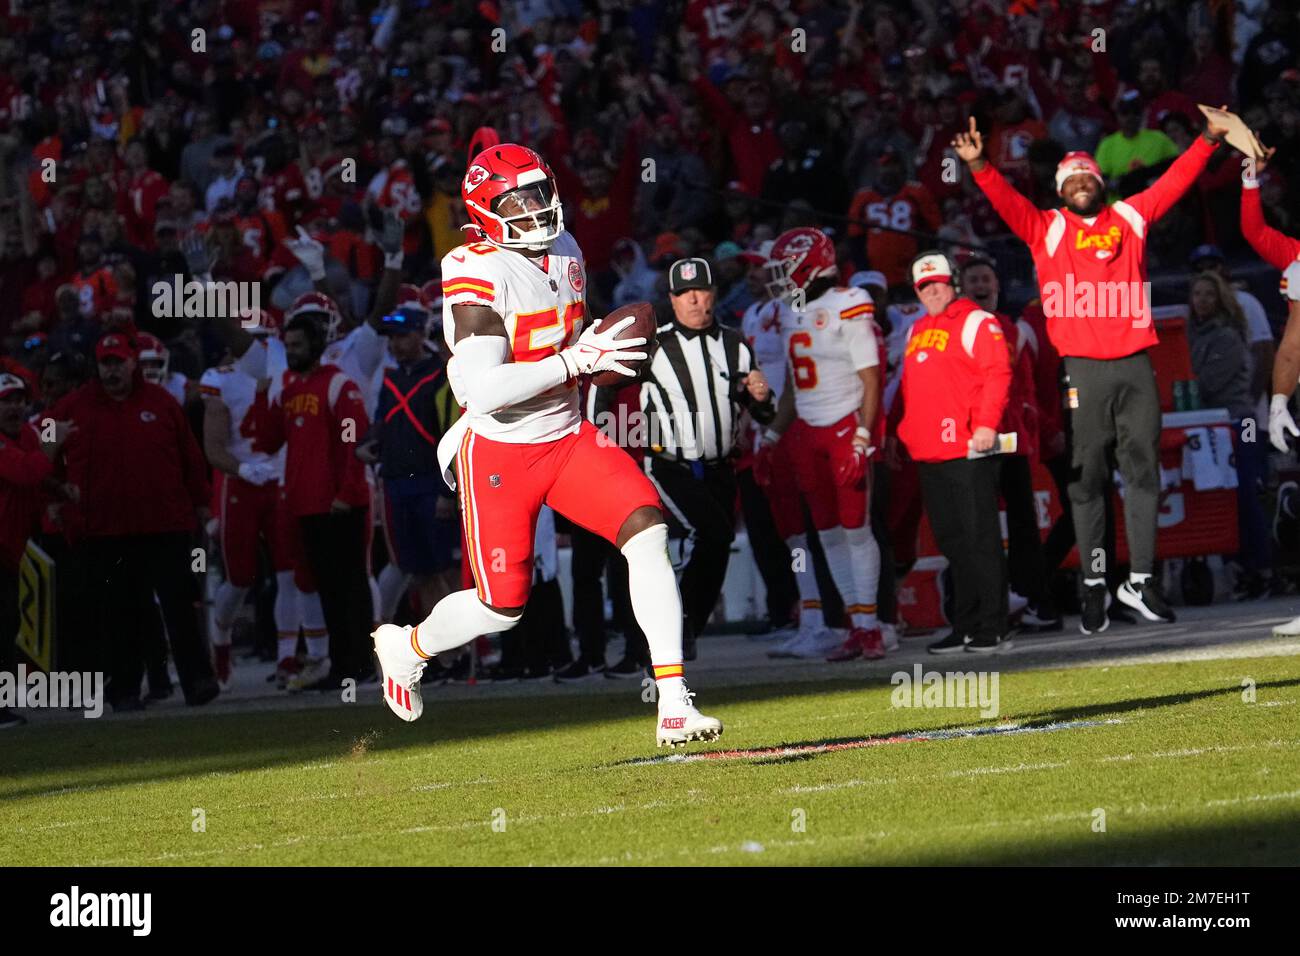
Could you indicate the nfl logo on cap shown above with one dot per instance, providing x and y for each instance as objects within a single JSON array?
[{"x": 688, "y": 271}]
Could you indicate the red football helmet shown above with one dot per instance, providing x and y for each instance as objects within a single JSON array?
[
  {"x": 153, "y": 356},
  {"x": 799, "y": 256},
  {"x": 511, "y": 198},
  {"x": 317, "y": 304},
  {"x": 410, "y": 297}
]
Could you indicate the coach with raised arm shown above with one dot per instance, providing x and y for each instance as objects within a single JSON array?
[{"x": 1091, "y": 261}]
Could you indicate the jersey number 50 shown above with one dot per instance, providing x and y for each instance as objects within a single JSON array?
[
  {"x": 539, "y": 335},
  {"x": 803, "y": 366}
]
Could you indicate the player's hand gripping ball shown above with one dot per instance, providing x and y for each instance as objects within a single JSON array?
[{"x": 642, "y": 326}]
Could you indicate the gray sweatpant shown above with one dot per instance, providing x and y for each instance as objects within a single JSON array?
[{"x": 1114, "y": 403}]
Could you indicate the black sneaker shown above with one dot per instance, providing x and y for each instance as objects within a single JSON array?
[
  {"x": 989, "y": 644},
  {"x": 504, "y": 675},
  {"x": 128, "y": 704},
  {"x": 952, "y": 643},
  {"x": 540, "y": 672},
  {"x": 10, "y": 720},
  {"x": 1039, "y": 618},
  {"x": 626, "y": 668},
  {"x": 1096, "y": 604},
  {"x": 160, "y": 692},
  {"x": 1147, "y": 600},
  {"x": 204, "y": 692},
  {"x": 578, "y": 670}
]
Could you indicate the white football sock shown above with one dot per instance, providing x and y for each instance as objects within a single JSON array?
[
  {"x": 1093, "y": 582},
  {"x": 313, "y": 625},
  {"x": 392, "y": 585},
  {"x": 456, "y": 620},
  {"x": 656, "y": 602},
  {"x": 288, "y": 614},
  {"x": 228, "y": 601},
  {"x": 1137, "y": 578},
  {"x": 839, "y": 559},
  {"x": 865, "y": 554},
  {"x": 805, "y": 576}
]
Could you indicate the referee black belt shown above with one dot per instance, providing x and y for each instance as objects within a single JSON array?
[{"x": 697, "y": 465}]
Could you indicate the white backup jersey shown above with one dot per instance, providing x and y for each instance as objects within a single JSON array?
[
  {"x": 761, "y": 326},
  {"x": 826, "y": 345},
  {"x": 237, "y": 391},
  {"x": 543, "y": 304},
  {"x": 175, "y": 385},
  {"x": 901, "y": 318},
  {"x": 360, "y": 356}
]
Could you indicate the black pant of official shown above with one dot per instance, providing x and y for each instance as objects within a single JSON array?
[
  {"x": 125, "y": 572},
  {"x": 704, "y": 508},
  {"x": 335, "y": 545},
  {"x": 771, "y": 555},
  {"x": 961, "y": 501},
  {"x": 8, "y": 620},
  {"x": 882, "y": 479}
]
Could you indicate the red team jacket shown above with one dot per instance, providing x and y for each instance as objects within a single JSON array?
[
  {"x": 312, "y": 414},
  {"x": 956, "y": 378},
  {"x": 1075, "y": 257},
  {"x": 136, "y": 463},
  {"x": 23, "y": 466}
]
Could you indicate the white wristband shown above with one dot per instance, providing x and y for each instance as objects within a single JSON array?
[
  {"x": 393, "y": 260},
  {"x": 316, "y": 275},
  {"x": 864, "y": 434}
]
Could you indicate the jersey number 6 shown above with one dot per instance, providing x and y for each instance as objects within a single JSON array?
[{"x": 804, "y": 367}]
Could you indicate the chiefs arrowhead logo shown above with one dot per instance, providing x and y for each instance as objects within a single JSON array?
[
  {"x": 475, "y": 177},
  {"x": 927, "y": 266}
]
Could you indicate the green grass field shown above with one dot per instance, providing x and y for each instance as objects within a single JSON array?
[{"x": 1185, "y": 772}]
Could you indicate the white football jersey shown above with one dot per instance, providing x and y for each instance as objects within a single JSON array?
[
  {"x": 901, "y": 318},
  {"x": 237, "y": 391},
  {"x": 826, "y": 345},
  {"x": 360, "y": 356},
  {"x": 761, "y": 325},
  {"x": 543, "y": 304},
  {"x": 175, "y": 386}
]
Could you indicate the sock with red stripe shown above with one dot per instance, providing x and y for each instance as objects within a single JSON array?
[
  {"x": 865, "y": 553},
  {"x": 810, "y": 599},
  {"x": 656, "y": 602},
  {"x": 288, "y": 614},
  {"x": 456, "y": 620},
  {"x": 313, "y": 625}
]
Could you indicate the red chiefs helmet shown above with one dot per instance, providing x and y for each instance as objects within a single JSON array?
[
  {"x": 153, "y": 356},
  {"x": 510, "y": 197},
  {"x": 431, "y": 293},
  {"x": 798, "y": 256},
  {"x": 317, "y": 304}
]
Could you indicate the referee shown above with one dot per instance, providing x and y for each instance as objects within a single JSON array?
[{"x": 701, "y": 380}]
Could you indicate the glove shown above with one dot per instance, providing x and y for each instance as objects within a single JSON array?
[
  {"x": 763, "y": 458},
  {"x": 389, "y": 239},
  {"x": 1280, "y": 422},
  {"x": 853, "y": 467},
  {"x": 256, "y": 472},
  {"x": 600, "y": 352},
  {"x": 198, "y": 257},
  {"x": 310, "y": 253}
]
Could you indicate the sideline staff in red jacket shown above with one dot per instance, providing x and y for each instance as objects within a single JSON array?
[
  {"x": 318, "y": 412},
  {"x": 25, "y": 464},
  {"x": 1091, "y": 261},
  {"x": 141, "y": 492},
  {"x": 956, "y": 377}
]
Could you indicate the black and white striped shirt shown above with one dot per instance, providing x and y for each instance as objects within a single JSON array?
[{"x": 689, "y": 396}]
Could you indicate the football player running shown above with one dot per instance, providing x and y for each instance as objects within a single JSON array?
[
  {"x": 514, "y": 322},
  {"x": 833, "y": 352}
]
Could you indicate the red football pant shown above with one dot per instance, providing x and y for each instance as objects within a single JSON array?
[
  {"x": 817, "y": 452},
  {"x": 502, "y": 486},
  {"x": 783, "y": 490},
  {"x": 245, "y": 514}
]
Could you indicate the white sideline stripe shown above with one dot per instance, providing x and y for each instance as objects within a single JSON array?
[{"x": 1019, "y": 768}]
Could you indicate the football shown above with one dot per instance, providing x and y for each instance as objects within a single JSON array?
[{"x": 643, "y": 326}]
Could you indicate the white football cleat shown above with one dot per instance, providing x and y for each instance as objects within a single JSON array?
[
  {"x": 1290, "y": 629},
  {"x": 679, "y": 721},
  {"x": 820, "y": 643},
  {"x": 401, "y": 669},
  {"x": 890, "y": 635},
  {"x": 314, "y": 670}
]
